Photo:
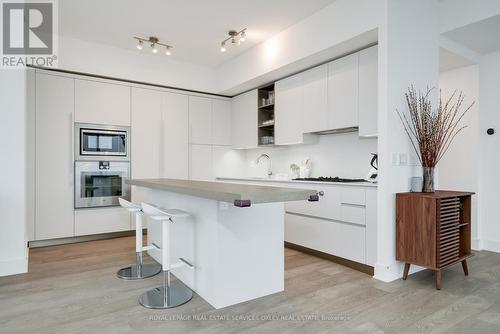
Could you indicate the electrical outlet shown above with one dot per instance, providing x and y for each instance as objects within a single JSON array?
[
  {"x": 403, "y": 159},
  {"x": 395, "y": 159}
]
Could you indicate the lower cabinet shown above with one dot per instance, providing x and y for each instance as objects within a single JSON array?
[
  {"x": 101, "y": 220},
  {"x": 337, "y": 238}
]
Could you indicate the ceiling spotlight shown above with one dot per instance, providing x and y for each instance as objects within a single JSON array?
[
  {"x": 153, "y": 42},
  {"x": 236, "y": 37}
]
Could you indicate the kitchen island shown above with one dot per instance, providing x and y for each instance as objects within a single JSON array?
[{"x": 234, "y": 236}]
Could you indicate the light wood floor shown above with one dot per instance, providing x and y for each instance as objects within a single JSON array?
[{"x": 73, "y": 289}]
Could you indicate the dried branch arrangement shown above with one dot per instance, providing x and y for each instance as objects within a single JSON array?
[{"x": 432, "y": 132}]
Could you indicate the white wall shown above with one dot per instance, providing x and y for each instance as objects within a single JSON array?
[
  {"x": 489, "y": 151},
  {"x": 458, "y": 169},
  {"x": 344, "y": 155},
  {"x": 13, "y": 251},
  {"x": 408, "y": 54},
  {"x": 94, "y": 58}
]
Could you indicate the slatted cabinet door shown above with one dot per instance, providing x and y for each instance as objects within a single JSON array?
[{"x": 448, "y": 233}]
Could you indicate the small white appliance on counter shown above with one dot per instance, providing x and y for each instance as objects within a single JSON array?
[{"x": 102, "y": 164}]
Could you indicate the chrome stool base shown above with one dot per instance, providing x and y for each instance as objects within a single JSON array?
[
  {"x": 134, "y": 272},
  {"x": 175, "y": 295}
]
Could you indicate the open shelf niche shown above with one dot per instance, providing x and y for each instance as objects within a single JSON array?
[{"x": 265, "y": 116}]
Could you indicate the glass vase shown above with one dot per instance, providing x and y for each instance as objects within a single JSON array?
[{"x": 428, "y": 184}]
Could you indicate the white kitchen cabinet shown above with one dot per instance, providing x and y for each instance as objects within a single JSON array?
[
  {"x": 227, "y": 162},
  {"x": 54, "y": 173},
  {"x": 343, "y": 92},
  {"x": 200, "y": 166},
  {"x": 102, "y": 103},
  {"x": 288, "y": 128},
  {"x": 146, "y": 133},
  {"x": 200, "y": 120},
  {"x": 368, "y": 83},
  {"x": 175, "y": 151},
  {"x": 352, "y": 242},
  {"x": 221, "y": 122},
  {"x": 314, "y": 103},
  {"x": 101, "y": 220},
  {"x": 244, "y": 120}
]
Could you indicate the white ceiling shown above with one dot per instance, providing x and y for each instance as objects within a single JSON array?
[
  {"x": 194, "y": 27},
  {"x": 482, "y": 36}
]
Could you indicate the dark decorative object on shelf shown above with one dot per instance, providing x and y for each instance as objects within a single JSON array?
[
  {"x": 432, "y": 131},
  {"x": 490, "y": 131}
]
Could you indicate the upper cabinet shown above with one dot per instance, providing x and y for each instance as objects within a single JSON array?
[
  {"x": 314, "y": 99},
  {"x": 102, "y": 103},
  {"x": 221, "y": 122},
  {"x": 200, "y": 120},
  {"x": 343, "y": 92},
  {"x": 288, "y": 110},
  {"x": 368, "y": 77},
  {"x": 244, "y": 120}
]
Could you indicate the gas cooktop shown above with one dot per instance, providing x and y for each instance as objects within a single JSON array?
[{"x": 328, "y": 179}]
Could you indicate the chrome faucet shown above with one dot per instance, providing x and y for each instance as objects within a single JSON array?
[{"x": 257, "y": 161}]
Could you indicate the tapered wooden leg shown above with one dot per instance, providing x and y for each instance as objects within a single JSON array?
[
  {"x": 406, "y": 270},
  {"x": 438, "y": 279},
  {"x": 464, "y": 266}
]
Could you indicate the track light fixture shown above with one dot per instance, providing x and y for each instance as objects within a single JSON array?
[
  {"x": 153, "y": 42},
  {"x": 236, "y": 38}
]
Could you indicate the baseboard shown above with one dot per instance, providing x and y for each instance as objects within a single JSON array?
[
  {"x": 391, "y": 272},
  {"x": 14, "y": 267},
  {"x": 364, "y": 268},
  {"x": 490, "y": 245},
  {"x": 83, "y": 238},
  {"x": 476, "y": 244}
]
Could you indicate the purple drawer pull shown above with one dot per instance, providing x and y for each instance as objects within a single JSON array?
[
  {"x": 313, "y": 198},
  {"x": 242, "y": 203}
]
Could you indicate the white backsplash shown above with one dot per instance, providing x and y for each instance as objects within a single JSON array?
[{"x": 344, "y": 155}]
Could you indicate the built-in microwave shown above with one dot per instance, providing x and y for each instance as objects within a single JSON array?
[
  {"x": 94, "y": 141},
  {"x": 101, "y": 183}
]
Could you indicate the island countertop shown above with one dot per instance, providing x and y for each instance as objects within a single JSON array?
[{"x": 238, "y": 194}]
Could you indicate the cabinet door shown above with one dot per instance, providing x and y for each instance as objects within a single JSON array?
[
  {"x": 343, "y": 92},
  {"x": 244, "y": 120},
  {"x": 200, "y": 162},
  {"x": 368, "y": 69},
  {"x": 102, "y": 103},
  {"x": 176, "y": 136},
  {"x": 287, "y": 111},
  {"x": 54, "y": 179},
  {"x": 227, "y": 162},
  {"x": 200, "y": 120},
  {"x": 102, "y": 220},
  {"x": 314, "y": 99},
  {"x": 221, "y": 122},
  {"x": 146, "y": 132}
]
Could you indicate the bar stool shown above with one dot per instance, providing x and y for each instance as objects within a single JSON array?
[
  {"x": 166, "y": 296},
  {"x": 137, "y": 270}
]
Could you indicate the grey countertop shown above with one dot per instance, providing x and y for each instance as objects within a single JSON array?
[
  {"x": 305, "y": 183},
  {"x": 226, "y": 192}
]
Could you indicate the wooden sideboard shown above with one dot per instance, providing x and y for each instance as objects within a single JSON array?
[{"x": 433, "y": 230}]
